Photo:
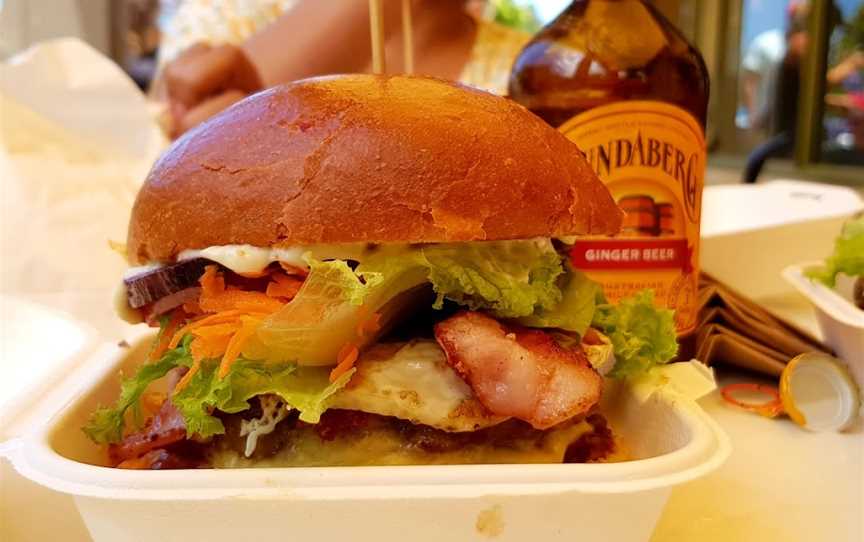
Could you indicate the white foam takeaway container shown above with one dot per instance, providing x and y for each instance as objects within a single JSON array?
[
  {"x": 670, "y": 438},
  {"x": 841, "y": 322},
  {"x": 750, "y": 233}
]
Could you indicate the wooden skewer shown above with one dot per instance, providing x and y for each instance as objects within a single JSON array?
[
  {"x": 407, "y": 37},
  {"x": 376, "y": 26}
]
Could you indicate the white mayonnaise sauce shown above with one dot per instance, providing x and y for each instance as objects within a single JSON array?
[{"x": 248, "y": 258}]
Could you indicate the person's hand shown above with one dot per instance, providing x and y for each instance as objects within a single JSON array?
[{"x": 204, "y": 80}]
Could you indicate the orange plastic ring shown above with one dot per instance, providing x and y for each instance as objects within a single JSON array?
[{"x": 770, "y": 409}]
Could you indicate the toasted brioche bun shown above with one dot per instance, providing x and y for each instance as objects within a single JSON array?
[{"x": 373, "y": 159}]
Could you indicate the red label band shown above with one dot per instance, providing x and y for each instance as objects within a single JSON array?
[{"x": 632, "y": 254}]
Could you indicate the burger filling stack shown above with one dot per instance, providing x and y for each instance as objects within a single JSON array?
[{"x": 371, "y": 270}]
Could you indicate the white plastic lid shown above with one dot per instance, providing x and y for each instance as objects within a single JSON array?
[{"x": 818, "y": 393}]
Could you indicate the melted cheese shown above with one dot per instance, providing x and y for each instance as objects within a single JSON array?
[
  {"x": 385, "y": 445},
  {"x": 413, "y": 381}
]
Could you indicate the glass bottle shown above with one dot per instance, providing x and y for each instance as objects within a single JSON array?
[{"x": 624, "y": 84}]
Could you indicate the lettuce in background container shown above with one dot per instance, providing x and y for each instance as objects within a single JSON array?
[{"x": 670, "y": 436}]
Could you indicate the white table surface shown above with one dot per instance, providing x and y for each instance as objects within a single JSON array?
[{"x": 780, "y": 484}]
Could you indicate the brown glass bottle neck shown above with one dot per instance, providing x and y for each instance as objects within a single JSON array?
[{"x": 577, "y": 8}]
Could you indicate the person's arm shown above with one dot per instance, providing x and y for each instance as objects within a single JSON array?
[
  {"x": 318, "y": 37},
  {"x": 312, "y": 38}
]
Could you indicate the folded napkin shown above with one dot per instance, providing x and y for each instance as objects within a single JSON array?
[{"x": 735, "y": 330}]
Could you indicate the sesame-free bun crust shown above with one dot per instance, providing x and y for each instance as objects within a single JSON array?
[{"x": 362, "y": 158}]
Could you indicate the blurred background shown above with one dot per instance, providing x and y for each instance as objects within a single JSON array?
[{"x": 787, "y": 96}]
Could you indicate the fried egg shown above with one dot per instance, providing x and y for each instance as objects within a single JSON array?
[{"x": 413, "y": 381}]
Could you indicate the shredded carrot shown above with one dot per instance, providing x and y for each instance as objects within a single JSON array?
[
  {"x": 260, "y": 306},
  {"x": 221, "y": 317},
  {"x": 188, "y": 376},
  {"x": 229, "y": 317},
  {"x": 152, "y": 401},
  {"x": 282, "y": 285},
  {"x": 215, "y": 297},
  {"x": 239, "y": 299},
  {"x": 255, "y": 274},
  {"x": 346, "y": 358},
  {"x": 369, "y": 325},
  {"x": 350, "y": 352},
  {"x": 174, "y": 323},
  {"x": 362, "y": 311},
  {"x": 204, "y": 347},
  {"x": 226, "y": 328},
  {"x": 192, "y": 308},
  {"x": 212, "y": 282},
  {"x": 293, "y": 269},
  {"x": 232, "y": 350},
  {"x": 345, "y": 351}
]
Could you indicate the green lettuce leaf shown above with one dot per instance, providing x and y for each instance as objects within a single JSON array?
[
  {"x": 507, "y": 278},
  {"x": 642, "y": 335},
  {"x": 107, "y": 424},
  {"x": 318, "y": 321},
  {"x": 576, "y": 309},
  {"x": 510, "y": 279},
  {"x": 848, "y": 256},
  {"x": 328, "y": 310},
  {"x": 306, "y": 389}
]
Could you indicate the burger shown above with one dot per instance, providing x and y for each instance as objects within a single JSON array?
[{"x": 371, "y": 270}]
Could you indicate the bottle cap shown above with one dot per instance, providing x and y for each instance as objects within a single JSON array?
[{"x": 818, "y": 393}]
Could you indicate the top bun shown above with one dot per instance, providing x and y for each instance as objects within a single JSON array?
[{"x": 362, "y": 158}]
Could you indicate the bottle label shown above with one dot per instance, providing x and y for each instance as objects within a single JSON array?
[{"x": 651, "y": 156}]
